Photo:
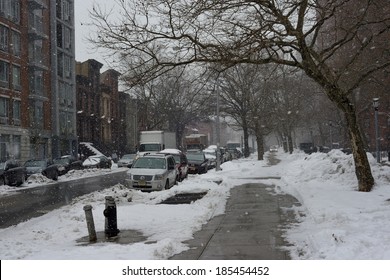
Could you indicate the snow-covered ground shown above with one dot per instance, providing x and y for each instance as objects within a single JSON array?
[{"x": 335, "y": 220}]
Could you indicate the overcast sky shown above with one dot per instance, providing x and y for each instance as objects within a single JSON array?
[{"x": 84, "y": 50}]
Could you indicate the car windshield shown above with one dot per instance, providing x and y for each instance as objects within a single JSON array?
[
  {"x": 128, "y": 157},
  {"x": 61, "y": 160},
  {"x": 35, "y": 163},
  {"x": 150, "y": 163},
  {"x": 196, "y": 157}
]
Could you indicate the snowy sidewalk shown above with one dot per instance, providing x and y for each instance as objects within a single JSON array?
[{"x": 251, "y": 228}]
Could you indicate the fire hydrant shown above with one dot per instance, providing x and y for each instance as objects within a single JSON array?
[{"x": 111, "y": 228}]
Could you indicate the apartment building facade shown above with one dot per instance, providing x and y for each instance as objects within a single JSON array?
[{"x": 36, "y": 71}]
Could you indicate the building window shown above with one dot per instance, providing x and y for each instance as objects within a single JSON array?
[
  {"x": 16, "y": 146},
  {"x": 67, "y": 38},
  {"x": 10, "y": 9},
  {"x": 3, "y": 38},
  {"x": 4, "y": 110},
  {"x": 16, "y": 43},
  {"x": 4, "y": 74},
  {"x": 15, "y": 11},
  {"x": 4, "y": 144},
  {"x": 16, "y": 115},
  {"x": 37, "y": 115},
  {"x": 4, "y": 8},
  {"x": 16, "y": 77},
  {"x": 67, "y": 63},
  {"x": 60, "y": 64},
  {"x": 36, "y": 83},
  {"x": 65, "y": 10}
]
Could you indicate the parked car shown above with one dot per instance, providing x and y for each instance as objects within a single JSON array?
[
  {"x": 12, "y": 173},
  {"x": 211, "y": 155},
  {"x": 273, "y": 148},
  {"x": 152, "y": 173},
  {"x": 197, "y": 163},
  {"x": 97, "y": 161},
  {"x": 181, "y": 162},
  {"x": 126, "y": 160},
  {"x": 45, "y": 167},
  {"x": 68, "y": 162}
]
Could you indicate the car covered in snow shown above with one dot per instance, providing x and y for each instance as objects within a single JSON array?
[
  {"x": 45, "y": 167},
  {"x": 12, "y": 173},
  {"x": 97, "y": 161},
  {"x": 126, "y": 160}
]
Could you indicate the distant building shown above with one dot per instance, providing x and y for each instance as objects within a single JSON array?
[{"x": 106, "y": 117}]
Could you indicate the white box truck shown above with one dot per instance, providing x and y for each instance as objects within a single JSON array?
[{"x": 155, "y": 141}]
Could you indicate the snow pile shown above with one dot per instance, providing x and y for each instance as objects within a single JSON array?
[{"x": 338, "y": 222}]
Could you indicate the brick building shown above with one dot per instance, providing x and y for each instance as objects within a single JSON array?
[
  {"x": 37, "y": 92},
  {"x": 106, "y": 117},
  {"x": 365, "y": 26}
]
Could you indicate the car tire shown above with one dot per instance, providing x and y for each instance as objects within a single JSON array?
[
  {"x": 167, "y": 185},
  {"x": 21, "y": 182},
  {"x": 2, "y": 181},
  {"x": 55, "y": 178}
]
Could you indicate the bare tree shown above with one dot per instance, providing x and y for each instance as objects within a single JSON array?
[
  {"x": 246, "y": 99},
  {"x": 153, "y": 37},
  {"x": 172, "y": 101}
]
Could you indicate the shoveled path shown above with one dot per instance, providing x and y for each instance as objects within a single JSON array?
[{"x": 251, "y": 228}]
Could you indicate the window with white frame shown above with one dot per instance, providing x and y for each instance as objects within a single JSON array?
[
  {"x": 67, "y": 38},
  {"x": 16, "y": 146},
  {"x": 15, "y": 11},
  {"x": 4, "y": 74},
  {"x": 4, "y": 7},
  {"x": 3, "y": 38},
  {"x": 16, "y": 77},
  {"x": 38, "y": 117},
  {"x": 16, "y": 115},
  {"x": 16, "y": 43},
  {"x": 4, "y": 147},
  {"x": 4, "y": 110},
  {"x": 65, "y": 10},
  {"x": 67, "y": 64}
]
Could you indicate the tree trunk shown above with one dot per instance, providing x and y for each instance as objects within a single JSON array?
[
  {"x": 246, "y": 138},
  {"x": 362, "y": 166},
  {"x": 260, "y": 146},
  {"x": 290, "y": 143}
]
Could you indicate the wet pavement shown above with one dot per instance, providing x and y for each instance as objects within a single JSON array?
[{"x": 251, "y": 228}]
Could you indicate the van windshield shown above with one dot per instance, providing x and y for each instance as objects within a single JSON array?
[{"x": 149, "y": 148}]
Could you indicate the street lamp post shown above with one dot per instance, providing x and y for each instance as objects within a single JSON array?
[
  {"x": 218, "y": 164},
  {"x": 376, "y": 105}
]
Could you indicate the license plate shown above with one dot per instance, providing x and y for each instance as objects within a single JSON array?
[
  {"x": 192, "y": 168},
  {"x": 142, "y": 183}
]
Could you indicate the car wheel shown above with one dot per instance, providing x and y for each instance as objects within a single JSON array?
[
  {"x": 55, "y": 177},
  {"x": 21, "y": 182},
  {"x": 2, "y": 181},
  {"x": 166, "y": 185}
]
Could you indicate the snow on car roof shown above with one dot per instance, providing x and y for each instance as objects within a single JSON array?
[{"x": 170, "y": 151}]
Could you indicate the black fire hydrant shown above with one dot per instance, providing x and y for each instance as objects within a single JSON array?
[{"x": 111, "y": 228}]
